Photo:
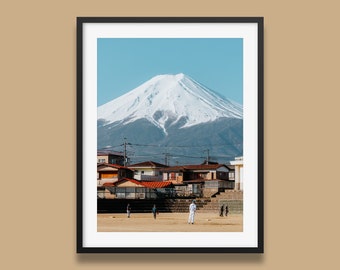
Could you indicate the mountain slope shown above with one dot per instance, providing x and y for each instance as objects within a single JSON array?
[
  {"x": 167, "y": 100},
  {"x": 223, "y": 138}
]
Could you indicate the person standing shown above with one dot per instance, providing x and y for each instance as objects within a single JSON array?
[
  {"x": 154, "y": 211},
  {"x": 221, "y": 210},
  {"x": 128, "y": 210},
  {"x": 226, "y": 210},
  {"x": 192, "y": 211}
]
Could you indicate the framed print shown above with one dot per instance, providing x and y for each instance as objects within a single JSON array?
[{"x": 170, "y": 135}]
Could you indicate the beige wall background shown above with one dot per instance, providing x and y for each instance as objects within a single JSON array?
[{"x": 38, "y": 134}]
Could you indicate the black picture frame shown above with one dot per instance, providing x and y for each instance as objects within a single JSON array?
[{"x": 81, "y": 208}]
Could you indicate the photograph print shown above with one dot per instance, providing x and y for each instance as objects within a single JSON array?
[{"x": 168, "y": 102}]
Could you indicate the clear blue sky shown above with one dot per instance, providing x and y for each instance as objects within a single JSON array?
[{"x": 125, "y": 63}]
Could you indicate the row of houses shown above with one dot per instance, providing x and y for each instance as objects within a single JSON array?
[{"x": 153, "y": 180}]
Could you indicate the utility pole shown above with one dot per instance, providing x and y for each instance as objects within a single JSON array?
[
  {"x": 125, "y": 157},
  {"x": 166, "y": 158},
  {"x": 207, "y": 160}
]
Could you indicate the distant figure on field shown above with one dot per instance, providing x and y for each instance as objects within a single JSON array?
[
  {"x": 154, "y": 211},
  {"x": 226, "y": 210},
  {"x": 192, "y": 210},
  {"x": 128, "y": 210},
  {"x": 221, "y": 210}
]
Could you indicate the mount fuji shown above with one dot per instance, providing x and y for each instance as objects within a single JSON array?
[{"x": 173, "y": 112}]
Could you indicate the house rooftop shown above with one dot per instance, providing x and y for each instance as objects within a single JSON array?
[
  {"x": 116, "y": 166},
  {"x": 112, "y": 153},
  {"x": 195, "y": 167},
  {"x": 149, "y": 164}
]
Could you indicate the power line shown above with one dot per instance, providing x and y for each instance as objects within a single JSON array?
[
  {"x": 184, "y": 146},
  {"x": 169, "y": 151},
  {"x": 170, "y": 146}
]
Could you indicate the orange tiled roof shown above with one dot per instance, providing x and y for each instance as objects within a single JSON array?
[
  {"x": 157, "y": 184},
  {"x": 108, "y": 184},
  {"x": 148, "y": 184}
]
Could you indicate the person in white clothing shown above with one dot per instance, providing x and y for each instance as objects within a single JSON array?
[
  {"x": 128, "y": 210},
  {"x": 192, "y": 210}
]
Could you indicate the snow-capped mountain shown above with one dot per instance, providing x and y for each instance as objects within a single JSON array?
[
  {"x": 167, "y": 100},
  {"x": 172, "y": 114}
]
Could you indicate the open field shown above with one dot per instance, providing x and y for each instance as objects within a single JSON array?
[{"x": 169, "y": 222}]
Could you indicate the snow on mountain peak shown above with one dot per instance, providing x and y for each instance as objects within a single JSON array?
[{"x": 164, "y": 100}]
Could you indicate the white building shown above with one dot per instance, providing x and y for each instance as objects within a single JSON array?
[{"x": 238, "y": 163}]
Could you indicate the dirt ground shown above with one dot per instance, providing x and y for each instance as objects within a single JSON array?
[{"x": 169, "y": 222}]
